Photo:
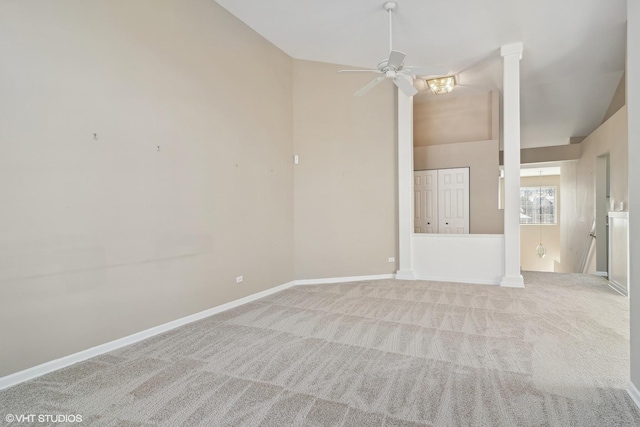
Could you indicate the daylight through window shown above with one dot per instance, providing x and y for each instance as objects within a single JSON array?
[{"x": 538, "y": 205}]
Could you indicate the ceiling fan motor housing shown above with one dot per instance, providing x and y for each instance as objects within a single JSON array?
[{"x": 393, "y": 68}]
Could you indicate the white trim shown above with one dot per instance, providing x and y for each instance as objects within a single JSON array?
[
  {"x": 343, "y": 279},
  {"x": 618, "y": 220},
  {"x": 405, "y": 275},
  {"x": 512, "y": 282},
  {"x": 601, "y": 273},
  {"x": 618, "y": 288},
  {"x": 634, "y": 393},
  {"x": 618, "y": 214},
  {"x": 405, "y": 185},
  {"x": 455, "y": 280},
  {"x": 54, "y": 365},
  {"x": 457, "y": 236}
]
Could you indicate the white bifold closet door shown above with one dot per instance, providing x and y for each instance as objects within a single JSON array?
[
  {"x": 425, "y": 203},
  {"x": 453, "y": 201},
  {"x": 441, "y": 201}
]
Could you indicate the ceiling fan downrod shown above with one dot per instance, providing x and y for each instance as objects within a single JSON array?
[{"x": 390, "y": 6}]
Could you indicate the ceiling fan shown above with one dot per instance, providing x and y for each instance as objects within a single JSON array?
[{"x": 394, "y": 68}]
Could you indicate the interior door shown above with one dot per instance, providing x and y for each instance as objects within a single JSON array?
[
  {"x": 453, "y": 201},
  {"x": 425, "y": 201}
]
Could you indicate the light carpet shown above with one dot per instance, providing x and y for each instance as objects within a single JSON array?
[{"x": 377, "y": 353}]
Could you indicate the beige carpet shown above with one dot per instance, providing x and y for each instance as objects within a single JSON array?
[{"x": 383, "y": 353}]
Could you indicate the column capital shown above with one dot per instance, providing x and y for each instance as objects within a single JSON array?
[{"x": 511, "y": 49}]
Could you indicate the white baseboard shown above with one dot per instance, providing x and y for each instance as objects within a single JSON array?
[
  {"x": 601, "y": 273},
  {"x": 343, "y": 279},
  {"x": 622, "y": 290},
  {"x": 512, "y": 282},
  {"x": 63, "y": 362},
  {"x": 405, "y": 275},
  {"x": 634, "y": 393},
  {"x": 45, "y": 368},
  {"x": 458, "y": 280}
]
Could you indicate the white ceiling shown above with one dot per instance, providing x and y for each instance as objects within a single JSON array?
[{"x": 574, "y": 50}]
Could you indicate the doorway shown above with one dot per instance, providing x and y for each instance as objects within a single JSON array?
[{"x": 602, "y": 202}]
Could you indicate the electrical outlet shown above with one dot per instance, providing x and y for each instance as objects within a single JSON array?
[
  {"x": 239, "y": 279},
  {"x": 392, "y": 259}
]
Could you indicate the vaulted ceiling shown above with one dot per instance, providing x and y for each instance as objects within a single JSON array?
[{"x": 574, "y": 50}]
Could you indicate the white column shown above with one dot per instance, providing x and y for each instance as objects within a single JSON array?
[
  {"x": 511, "y": 56},
  {"x": 405, "y": 187},
  {"x": 633, "y": 112}
]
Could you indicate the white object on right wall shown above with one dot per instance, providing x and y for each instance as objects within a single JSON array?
[{"x": 619, "y": 252}]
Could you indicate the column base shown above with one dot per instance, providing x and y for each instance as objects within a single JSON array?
[
  {"x": 405, "y": 275},
  {"x": 512, "y": 282},
  {"x": 634, "y": 393}
]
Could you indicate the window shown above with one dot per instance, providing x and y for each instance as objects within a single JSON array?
[{"x": 538, "y": 205}]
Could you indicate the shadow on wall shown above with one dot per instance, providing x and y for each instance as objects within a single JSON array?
[{"x": 578, "y": 198}]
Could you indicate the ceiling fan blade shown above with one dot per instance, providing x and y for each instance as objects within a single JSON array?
[
  {"x": 405, "y": 86},
  {"x": 370, "y": 86},
  {"x": 395, "y": 59},
  {"x": 359, "y": 71},
  {"x": 425, "y": 71}
]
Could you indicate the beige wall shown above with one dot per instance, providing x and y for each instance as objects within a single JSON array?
[
  {"x": 482, "y": 159},
  {"x": 530, "y": 234},
  {"x": 101, "y": 239},
  {"x": 345, "y": 184},
  {"x": 450, "y": 119},
  {"x": 578, "y": 181}
]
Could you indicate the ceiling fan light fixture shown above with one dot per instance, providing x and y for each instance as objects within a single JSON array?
[{"x": 441, "y": 85}]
